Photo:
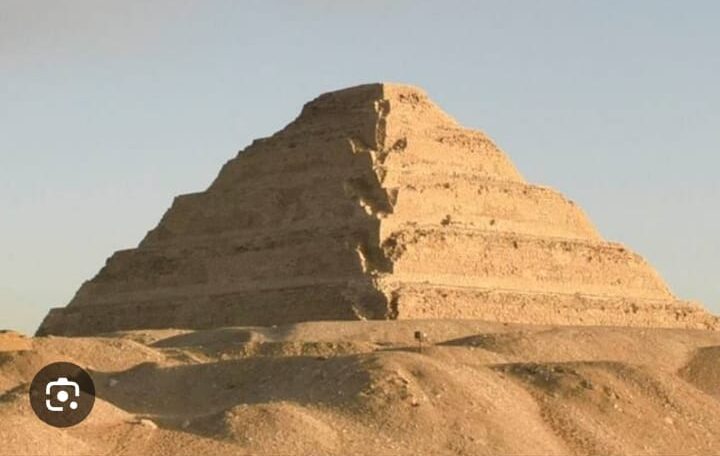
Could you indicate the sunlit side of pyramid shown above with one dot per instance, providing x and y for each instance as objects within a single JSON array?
[{"x": 372, "y": 204}]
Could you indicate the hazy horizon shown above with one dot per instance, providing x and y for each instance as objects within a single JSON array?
[{"x": 109, "y": 110}]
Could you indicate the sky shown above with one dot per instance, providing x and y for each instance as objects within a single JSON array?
[{"x": 108, "y": 109}]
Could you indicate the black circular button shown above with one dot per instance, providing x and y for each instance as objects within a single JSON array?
[{"x": 62, "y": 394}]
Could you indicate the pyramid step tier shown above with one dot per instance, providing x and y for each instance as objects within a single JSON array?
[
  {"x": 447, "y": 150},
  {"x": 358, "y": 300},
  {"x": 487, "y": 204},
  {"x": 435, "y": 253},
  {"x": 416, "y": 300},
  {"x": 480, "y": 203},
  {"x": 333, "y": 300},
  {"x": 236, "y": 262},
  {"x": 510, "y": 260}
]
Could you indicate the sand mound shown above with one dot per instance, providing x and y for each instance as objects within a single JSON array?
[
  {"x": 476, "y": 388},
  {"x": 703, "y": 370},
  {"x": 275, "y": 428},
  {"x": 14, "y": 341}
]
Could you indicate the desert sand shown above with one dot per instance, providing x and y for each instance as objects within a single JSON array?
[
  {"x": 275, "y": 312},
  {"x": 344, "y": 388}
]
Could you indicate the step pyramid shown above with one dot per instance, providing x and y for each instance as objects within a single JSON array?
[{"x": 372, "y": 204}]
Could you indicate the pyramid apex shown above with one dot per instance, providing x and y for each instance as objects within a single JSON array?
[{"x": 368, "y": 93}]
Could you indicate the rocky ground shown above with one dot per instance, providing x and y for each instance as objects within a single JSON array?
[{"x": 365, "y": 388}]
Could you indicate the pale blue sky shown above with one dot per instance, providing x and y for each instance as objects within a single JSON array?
[{"x": 109, "y": 109}]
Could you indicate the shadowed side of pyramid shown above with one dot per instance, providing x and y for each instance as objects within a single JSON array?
[
  {"x": 276, "y": 238},
  {"x": 372, "y": 204}
]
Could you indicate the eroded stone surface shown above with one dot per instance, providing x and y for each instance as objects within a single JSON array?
[{"x": 372, "y": 204}]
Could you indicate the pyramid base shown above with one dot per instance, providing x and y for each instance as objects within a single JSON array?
[{"x": 359, "y": 301}]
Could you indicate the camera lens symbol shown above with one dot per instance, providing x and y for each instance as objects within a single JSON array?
[{"x": 62, "y": 394}]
